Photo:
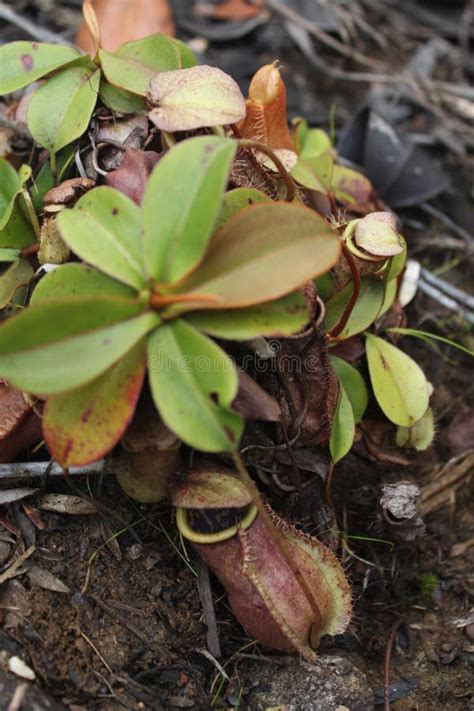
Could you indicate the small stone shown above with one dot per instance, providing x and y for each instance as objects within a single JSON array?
[{"x": 17, "y": 666}]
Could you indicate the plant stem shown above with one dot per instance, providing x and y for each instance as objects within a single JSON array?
[
  {"x": 286, "y": 177},
  {"x": 339, "y": 327},
  {"x": 54, "y": 166},
  {"x": 31, "y": 213},
  {"x": 277, "y": 537}
]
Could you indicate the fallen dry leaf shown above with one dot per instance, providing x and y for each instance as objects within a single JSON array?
[
  {"x": 68, "y": 192},
  {"x": 133, "y": 172},
  {"x": 8, "y": 496},
  {"x": 230, "y": 9},
  {"x": 253, "y": 403},
  {"x": 125, "y": 20},
  {"x": 64, "y": 503},
  {"x": 19, "y": 425},
  {"x": 46, "y": 580}
]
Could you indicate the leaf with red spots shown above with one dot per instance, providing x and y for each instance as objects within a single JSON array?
[
  {"x": 352, "y": 189},
  {"x": 23, "y": 62},
  {"x": 114, "y": 221},
  {"x": 193, "y": 383},
  {"x": 82, "y": 425},
  {"x": 398, "y": 382},
  {"x": 60, "y": 345},
  {"x": 193, "y": 98}
]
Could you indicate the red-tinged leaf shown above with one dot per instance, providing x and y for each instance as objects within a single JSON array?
[
  {"x": 132, "y": 175},
  {"x": 352, "y": 189},
  {"x": 266, "y": 119},
  {"x": 57, "y": 346},
  {"x": 84, "y": 424},
  {"x": 193, "y": 98},
  {"x": 264, "y": 252}
]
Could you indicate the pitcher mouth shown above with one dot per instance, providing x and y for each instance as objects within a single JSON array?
[{"x": 184, "y": 527}]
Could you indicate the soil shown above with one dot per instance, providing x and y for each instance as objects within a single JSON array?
[{"x": 128, "y": 630}]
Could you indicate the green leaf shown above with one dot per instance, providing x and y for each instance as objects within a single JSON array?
[
  {"x": 60, "y": 109},
  {"x": 262, "y": 253},
  {"x": 193, "y": 383},
  {"x": 343, "y": 427},
  {"x": 104, "y": 229},
  {"x": 192, "y": 98},
  {"x": 119, "y": 100},
  {"x": 235, "y": 200},
  {"x": 323, "y": 168},
  {"x": 316, "y": 141},
  {"x": 16, "y": 275},
  {"x": 75, "y": 280},
  {"x": 397, "y": 263},
  {"x": 390, "y": 293},
  {"x": 57, "y": 346},
  {"x": 325, "y": 285},
  {"x": 23, "y": 62},
  {"x": 366, "y": 309},
  {"x": 23, "y": 176},
  {"x": 420, "y": 435},
  {"x": 278, "y": 319},
  {"x": 300, "y": 132},
  {"x": 44, "y": 181},
  {"x": 305, "y": 175},
  {"x": 125, "y": 73},
  {"x": 7, "y": 254},
  {"x": 398, "y": 382},
  {"x": 181, "y": 204},
  {"x": 15, "y": 228},
  {"x": 186, "y": 55},
  {"x": 427, "y": 336},
  {"x": 135, "y": 63},
  {"x": 82, "y": 425},
  {"x": 353, "y": 384}
]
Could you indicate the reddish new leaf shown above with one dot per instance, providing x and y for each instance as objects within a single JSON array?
[{"x": 82, "y": 425}]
